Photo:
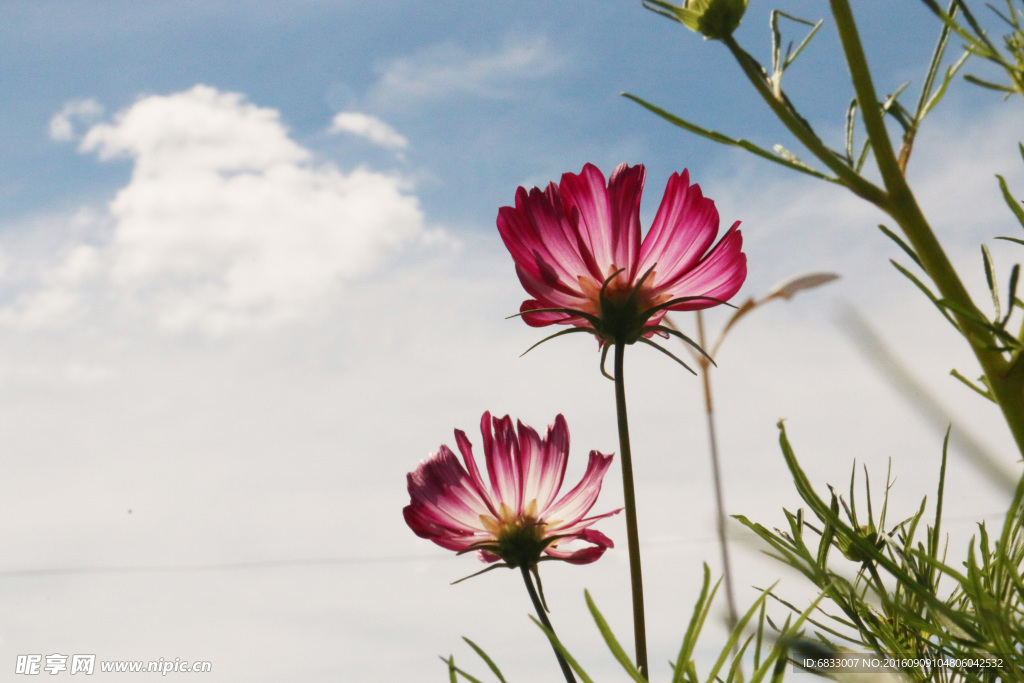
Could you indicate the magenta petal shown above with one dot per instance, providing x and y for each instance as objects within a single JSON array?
[
  {"x": 543, "y": 462},
  {"x": 720, "y": 275},
  {"x": 685, "y": 226},
  {"x": 575, "y": 504},
  {"x": 442, "y": 492},
  {"x": 586, "y": 199},
  {"x": 567, "y": 240},
  {"x": 584, "y": 555},
  {"x": 539, "y": 234},
  {"x": 542, "y": 319},
  {"x": 424, "y": 526},
  {"x": 478, "y": 483},
  {"x": 509, "y": 516},
  {"x": 625, "y": 186},
  {"x": 502, "y": 454}
]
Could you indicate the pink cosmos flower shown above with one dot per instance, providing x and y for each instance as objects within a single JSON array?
[
  {"x": 578, "y": 252},
  {"x": 515, "y": 515}
]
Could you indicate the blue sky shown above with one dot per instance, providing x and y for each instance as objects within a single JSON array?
[{"x": 233, "y": 320}]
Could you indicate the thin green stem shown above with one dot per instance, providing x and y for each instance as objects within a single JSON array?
[
  {"x": 538, "y": 606},
  {"x": 716, "y": 470},
  {"x": 1007, "y": 381},
  {"x": 632, "y": 533},
  {"x": 755, "y": 74}
]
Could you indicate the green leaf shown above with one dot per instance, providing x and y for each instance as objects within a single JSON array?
[
  {"x": 613, "y": 644},
  {"x": 790, "y": 58},
  {"x": 927, "y": 292},
  {"x": 453, "y": 670},
  {"x": 851, "y": 119},
  {"x": 927, "y": 99},
  {"x": 700, "y": 615},
  {"x": 557, "y": 644},
  {"x": 984, "y": 392},
  {"x": 937, "y": 96},
  {"x": 865, "y": 546},
  {"x": 487, "y": 660},
  {"x": 1011, "y": 201},
  {"x": 988, "y": 84},
  {"x": 736, "y": 633},
  {"x": 1014, "y": 281},
  {"x": 725, "y": 140},
  {"x": 902, "y": 245},
  {"x": 990, "y": 278}
]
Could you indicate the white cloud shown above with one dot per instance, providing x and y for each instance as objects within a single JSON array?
[
  {"x": 448, "y": 69},
  {"x": 369, "y": 127},
  {"x": 226, "y": 222},
  {"x": 62, "y": 126}
]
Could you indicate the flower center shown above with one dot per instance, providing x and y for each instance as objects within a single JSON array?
[
  {"x": 519, "y": 539},
  {"x": 619, "y": 304}
]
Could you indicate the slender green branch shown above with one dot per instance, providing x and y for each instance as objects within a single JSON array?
[
  {"x": 885, "y": 157},
  {"x": 632, "y": 533},
  {"x": 538, "y": 606},
  {"x": 798, "y": 127},
  {"x": 899, "y": 202}
]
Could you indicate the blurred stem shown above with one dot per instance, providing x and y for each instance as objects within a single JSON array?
[
  {"x": 538, "y": 606},
  {"x": 632, "y": 533},
  {"x": 709, "y": 409},
  {"x": 1006, "y": 380}
]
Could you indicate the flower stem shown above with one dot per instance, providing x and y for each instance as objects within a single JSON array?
[
  {"x": 538, "y": 606},
  {"x": 632, "y": 534},
  {"x": 717, "y": 474}
]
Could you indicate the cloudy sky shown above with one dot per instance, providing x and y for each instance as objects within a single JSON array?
[{"x": 250, "y": 276}]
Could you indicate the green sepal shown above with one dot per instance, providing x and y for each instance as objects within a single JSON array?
[
  {"x": 677, "y": 333},
  {"x": 668, "y": 353},
  {"x": 556, "y": 334}
]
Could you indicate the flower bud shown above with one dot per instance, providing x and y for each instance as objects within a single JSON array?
[
  {"x": 855, "y": 553},
  {"x": 714, "y": 19}
]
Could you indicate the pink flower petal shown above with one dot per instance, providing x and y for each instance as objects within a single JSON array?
[
  {"x": 575, "y": 504},
  {"x": 720, "y": 275},
  {"x": 568, "y": 240},
  {"x": 453, "y": 506},
  {"x": 683, "y": 229},
  {"x": 543, "y": 462},
  {"x": 582, "y": 555},
  {"x": 442, "y": 492},
  {"x": 502, "y": 453}
]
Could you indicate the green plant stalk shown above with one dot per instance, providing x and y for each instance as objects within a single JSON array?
[
  {"x": 897, "y": 200},
  {"x": 632, "y": 533},
  {"x": 538, "y": 606},
  {"x": 1005, "y": 379},
  {"x": 755, "y": 74}
]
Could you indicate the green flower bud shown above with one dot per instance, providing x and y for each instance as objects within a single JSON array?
[
  {"x": 853, "y": 552},
  {"x": 714, "y": 19}
]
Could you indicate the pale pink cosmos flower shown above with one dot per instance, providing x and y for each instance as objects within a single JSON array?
[
  {"x": 515, "y": 515},
  {"x": 577, "y": 250}
]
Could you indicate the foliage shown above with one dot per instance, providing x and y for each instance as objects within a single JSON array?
[{"x": 893, "y": 591}]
